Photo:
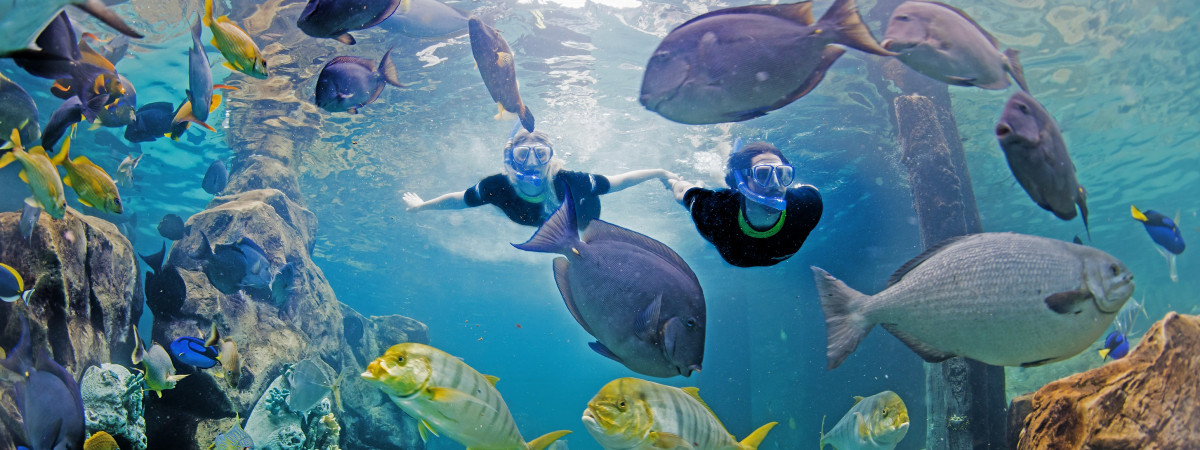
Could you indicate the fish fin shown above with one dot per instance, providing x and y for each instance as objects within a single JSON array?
[
  {"x": 91, "y": 56},
  {"x": 216, "y": 102},
  {"x": 1037, "y": 363},
  {"x": 1137, "y": 214},
  {"x": 961, "y": 81},
  {"x": 559, "y": 234},
  {"x": 7, "y": 158},
  {"x": 504, "y": 59},
  {"x": 599, "y": 230},
  {"x": 1064, "y": 302},
  {"x": 23, "y": 176},
  {"x": 845, "y": 327},
  {"x": 447, "y": 395},
  {"x": 665, "y": 440},
  {"x": 492, "y": 379},
  {"x": 155, "y": 260},
  {"x": 645, "y": 325},
  {"x": 848, "y": 28},
  {"x": 226, "y": 63},
  {"x": 345, "y": 38},
  {"x": 916, "y": 261},
  {"x": 755, "y": 439},
  {"x": 204, "y": 253},
  {"x": 207, "y": 18},
  {"x": 990, "y": 38},
  {"x": 604, "y": 351},
  {"x": 1104, "y": 354},
  {"x": 388, "y": 70},
  {"x": 226, "y": 87},
  {"x": 26, "y": 294},
  {"x": 1081, "y": 200},
  {"x": 562, "y": 279},
  {"x": 176, "y": 377},
  {"x": 858, "y": 398},
  {"x": 800, "y": 12},
  {"x": 95, "y": 126},
  {"x": 425, "y": 429},
  {"x": 929, "y": 354},
  {"x": 545, "y": 440},
  {"x": 99, "y": 10},
  {"x": 526, "y": 118},
  {"x": 83, "y": 201},
  {"x": 1015, "y": 69},
  {"x": 1171, "y": 268},
  {"x": 139, "y": 350},
  {"x": 694, "y": 393}
]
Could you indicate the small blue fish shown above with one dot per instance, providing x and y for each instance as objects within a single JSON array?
[
  {"x": 1161, "y": 228},
  {"x": 215, "y": 178},
  {"x": 192, "y": 351},
  {"x": 12, "y": 286},
  {"x": 348, "y": 83},
  {"x": 1115, "y": 346},
  {"x": 152, "y": 122}
]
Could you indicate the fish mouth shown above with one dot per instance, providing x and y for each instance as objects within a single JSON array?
[
  {"x": 892, "y": 46},
  {"x": 1003, "y": 130}
]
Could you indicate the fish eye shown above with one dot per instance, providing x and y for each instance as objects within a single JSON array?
[
  {"x": 691, "y": 323},
  {"x": 1114, "y": 269},
  {"x": 902, "y": 18},
  {"x": 621, "y": 404},
  {"x": 663, "y": 54},
  {"x": 399, "y": 360},
  {"x": 1023, "y": 108}
]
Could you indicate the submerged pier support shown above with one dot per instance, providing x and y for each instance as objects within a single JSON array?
[{"x": 964, "y": 398}]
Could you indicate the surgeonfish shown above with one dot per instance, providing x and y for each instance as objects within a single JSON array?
[
  {"x": 40, "y": 174},
  {"x": 12, "y": 285},
  {"x": 122, "y": 111},
  {"x": 1038, "y": 158},
  {"x": 91, "y": 183},
  {"x": 311, "y": 380},
  {"x": 1164, "y": 232},
  {"x": 171, "y": 227},
  {"x": 448, "y": 397},
  {"x": 636, "y": 296},
  {"x": 426, "y": 19},
  {"x": 191, "y": 350},
  {"x": 232, "y": 267},
  {"x": 18, "y": 112},
  {"x": 1003, "y": 299},
  {"x": 215, "y": 178},
  {"x": 1116, "y": 344},
  {"x": 240, "y": 51},
  {"x": 125, "y": 169},
  {"x": 51, "y": 406},
  {"x": 498, "y": 68},
  {"x": 165, "y": 290},
  {"x": 333, "y": 19},
  {"x": 878, "y": 422},
  {"x": 151, "y": 122},
  {"x": 78, "y": 70},
  {"x": 739, "y": 63},
  {"x": 22, "y": 22},
  {"x": 631, "y": 413},
  {"x": 946, "y": 44},
  {"x": 200, "y": 83},
  {"x": 235, "y": 438},
  {"x": 69, "y": 113},
  {"x": 156, "y": 365},
  {"x": 347, "y": 83}
]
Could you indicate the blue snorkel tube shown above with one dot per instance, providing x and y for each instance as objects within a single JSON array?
[
  {"x": 778, "y": 203},
  {"x": 523, "y": 174}
]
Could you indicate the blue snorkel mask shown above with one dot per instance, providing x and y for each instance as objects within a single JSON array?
[
  {"x": 776, "y": 202},
  {"x": 527, "y": 161}
]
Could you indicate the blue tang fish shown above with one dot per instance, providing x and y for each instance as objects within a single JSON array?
[
  {"x": 231, "y": 267},
  {"x": 151, "y": 122},
  {"x": 1116, "y": 346},
  {"x": 334, "y": 18},
  {"x": 347, "y": 83},
  {"x": 192, "y": 351},
  {"x": 1161, "y": 228},
  {"x": 636, "y": 296}
]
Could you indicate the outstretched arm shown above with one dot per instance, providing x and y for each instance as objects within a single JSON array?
[
  {"x": 679, "y": 187},
  {"x": 452, "y": 200},
  {"x": 633, "y": 178}
]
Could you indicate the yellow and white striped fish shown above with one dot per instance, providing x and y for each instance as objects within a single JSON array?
[
  {"x": 91, "y": 183},
  {"x": 877, "y": 422},
  {"x": 449, "y": 397},
  {"x": 630, "y": 413},
  {"x": 240, "y": 52},
  {"x": 40, "y": 174}
]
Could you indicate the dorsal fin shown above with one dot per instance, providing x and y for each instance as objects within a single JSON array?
[
  {"x": 599, "y": 230},
  {"x": 800, "y": 13},
  {"x": 694, "y": 392},
  {"x": 492, "y": 379},
  {"x": 913, "y": 263}
]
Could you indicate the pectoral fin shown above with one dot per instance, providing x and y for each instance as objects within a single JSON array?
[
  {"x": 960, "y": 81},
  {"x": 450, "y": 395},
  {"x": 662, "y": 439},
  {"x": 646, "y": 326},
  {"x": 425, "y": 429},
  {"x": 604, "y": 351},
  {"x": 1067, "y": 302}
]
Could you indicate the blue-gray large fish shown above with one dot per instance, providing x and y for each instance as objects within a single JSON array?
[
  {"x": 946, "y": 44},
  {"x": 1003, "y": 299},
  {"x": 426, "y": 19},
  {"x": 335, "y": 18},
  {"x": 231, "y": 267},
  {"x": 200, "y": 85},
  {"x": 347, "y": 83},
  {"x": 1038, "y": 157},
  {"x": 69, "y": 113},
  {"x": 22, "y": 21},
  {"x": 17, "y": 111},
  {"x": 499, "y": 71},
  {"x": 638, "y": 298},
  {"x": 739, "y": 63}
]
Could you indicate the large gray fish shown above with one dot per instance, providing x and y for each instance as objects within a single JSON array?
[
  {"x": 18, "y": 111},
  {"x": 426, "y": 19},
  {"x": 348, "y": 83},
  {"x": 200, "y": 86},
  {"x": 1038, "y": 157},
  {"x": 739, "y": 63},
  {"x": 638, "y": 298},
  {"x": 1004, "y": 299},
  {"x": 498, "y": 68},
  {"x": 335, "y": 18},
  {"x": 22, "y": 21},
  {"x": 232, "y": 267},
  {"x": 946, "y": 44}
]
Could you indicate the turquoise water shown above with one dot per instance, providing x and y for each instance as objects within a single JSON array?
[{"x": 1117, "y": 76}]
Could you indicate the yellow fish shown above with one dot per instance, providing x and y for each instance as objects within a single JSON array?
[
  {"x": 40, "y": 174},
  {"x": 101, "y": 441},
  {"x": 630, "y": 413},
  {"x": 449, "y": 397},
  {"x": 91, "y": 183},
  {"x": 877, "y": 422},
  {"x": 240, "y": 52},
  {"x": 156, "y": 365}
]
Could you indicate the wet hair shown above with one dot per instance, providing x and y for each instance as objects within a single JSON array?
[{"x": 740, "y": 159}]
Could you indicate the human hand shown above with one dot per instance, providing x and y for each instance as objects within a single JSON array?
[{"x": 413, "y": 201}]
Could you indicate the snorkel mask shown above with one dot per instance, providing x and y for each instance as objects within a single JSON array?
[
  {"x": 776, "y": 202},
  {"x": 527, "y": 162}
]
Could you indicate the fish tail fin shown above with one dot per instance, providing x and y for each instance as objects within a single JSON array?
[
  {"x": 215, "y": 103},
  {"x": 1133, "y": 211},
  {"x": 559, "y": 234},
  {"x": 26, "y": 295},
  {"x": 139, "y": 350},
  {"x": 1081, "y": 200},
  {"x": 204, "y": 252},
  {"x": 388, "y": 70},
  {"x": 197, "y": 30},
  {"x": 337, "y": 390},
  {"x": 7, "y": 159},
  {"x": 844, "y": 326},
  {"x": 1104, "y": 354},
  {"x": 1015, "y": 69},
  {"x": 848, "y": 28},
  {"x": 226, "y": 87},
  {"x": 752, "y": 441},
  {"x": 207, "y": 18},
  {"x": 64, "y": 153},
  {"x": 526, "y": 118},
  {"x": 822, "y": 444},
  {"x": 1171, "y": 269},
  {"x": 547, "y": 439},
  {"x": 99, "y": 10}
]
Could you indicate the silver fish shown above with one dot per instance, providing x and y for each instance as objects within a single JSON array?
[
  {"x": 29, "y": 219},
  {"x": 1038, "y": 157},
  {"x": 878, "y": 422},
  {"x": 946, "y": 44},
  {"x": 1004, "y": 299}
]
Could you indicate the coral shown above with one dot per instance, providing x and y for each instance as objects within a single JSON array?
[{"x": 112, "y": 401}]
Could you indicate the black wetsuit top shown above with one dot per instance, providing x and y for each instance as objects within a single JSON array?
[
  {"x": 716, "y": 216},
  {"x": 585, "y": 188}
]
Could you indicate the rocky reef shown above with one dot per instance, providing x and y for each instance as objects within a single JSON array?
[
  {"x": 112, "y": 402},
  {"x": 86, "y": 297},
  {"x": 1146, "y": 400}
]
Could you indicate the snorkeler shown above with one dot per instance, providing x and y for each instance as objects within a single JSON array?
[
  {"x": 532, "y": 184},
  {"x": 762, "y": 221}
]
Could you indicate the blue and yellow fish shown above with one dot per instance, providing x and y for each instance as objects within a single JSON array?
[
  {"x": 12, "y": 285},
  {"x": 1161, "y": 228},
  {"x": 1116, "y": 346}
]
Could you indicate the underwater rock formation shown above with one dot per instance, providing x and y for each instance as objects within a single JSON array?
[
  {"x": 1146, "y": 400},
  {"x": 370, "y": 418},
  {"x": 112, "y": 402},
  {"x": 86, "y": 296},
  {"x": 275, "y": 427}
]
